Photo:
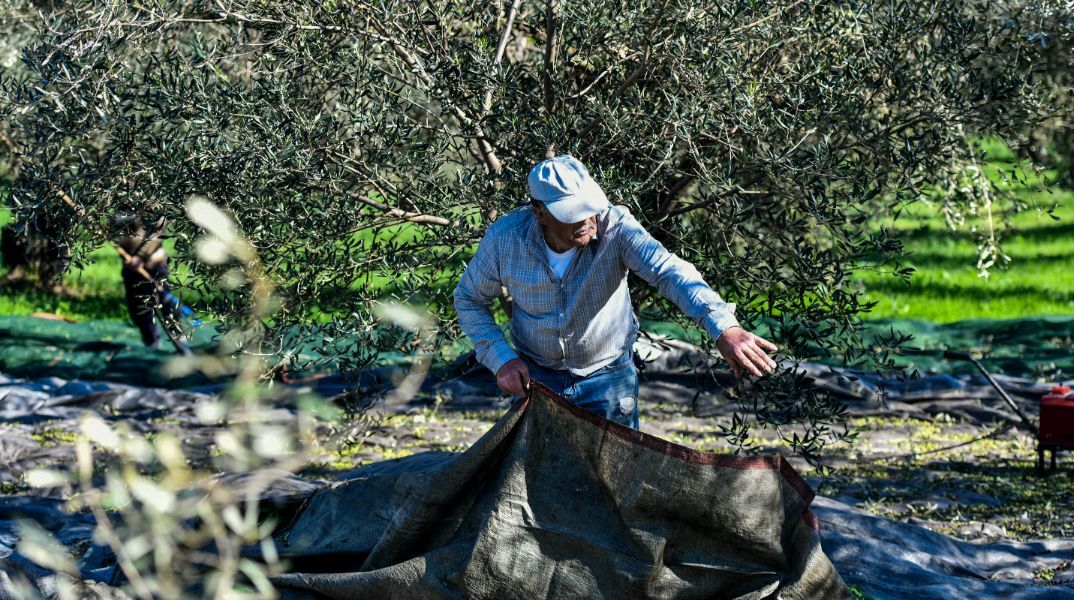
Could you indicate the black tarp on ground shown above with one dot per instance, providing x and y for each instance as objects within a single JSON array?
[{"x": 30, "y": 347}]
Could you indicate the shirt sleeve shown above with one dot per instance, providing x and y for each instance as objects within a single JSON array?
[
  {"x": 479, "y": 286},
  {"x": 675, "y": 278}
]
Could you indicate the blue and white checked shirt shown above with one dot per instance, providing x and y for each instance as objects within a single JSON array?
[{"x": 583, "y": 321}]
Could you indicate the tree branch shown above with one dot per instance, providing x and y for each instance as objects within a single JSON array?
[
  {"x": 413, "y": 217},
  {"x": 506, "y": 35},
  {"x": 489, "y": 154},
  {"x": 549, "y": 56},
  {"x": 742, "y": 28}
]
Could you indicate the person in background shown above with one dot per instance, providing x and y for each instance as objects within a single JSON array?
[{"x": 145, "y": 255}]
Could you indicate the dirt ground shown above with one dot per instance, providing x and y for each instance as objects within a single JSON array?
[{"x": 957, "y": 476}]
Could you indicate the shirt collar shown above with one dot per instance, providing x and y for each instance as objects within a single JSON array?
[{"x": 534, "y": 236}]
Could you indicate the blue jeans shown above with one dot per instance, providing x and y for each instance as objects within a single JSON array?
[{"x": 611, "y": 391}]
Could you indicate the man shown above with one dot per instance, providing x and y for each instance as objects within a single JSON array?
[
  {"x": 144, "y": 255},
  {"x": 564, "y": 261}
]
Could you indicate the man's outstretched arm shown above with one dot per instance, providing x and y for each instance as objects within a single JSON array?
[
  {"x": 478, "y": 287},
  {"x": 680, "y": 282}
]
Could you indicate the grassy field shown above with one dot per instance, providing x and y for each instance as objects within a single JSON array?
[
  {"x": 96, "y": 290},
  {"x": 97, "y": 293},
  {"x": 945, "y": 286}
]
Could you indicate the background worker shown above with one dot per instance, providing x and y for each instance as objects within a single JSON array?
[
  {"x": 564, "y": 261},
  {"x": 145, "y": 255}
]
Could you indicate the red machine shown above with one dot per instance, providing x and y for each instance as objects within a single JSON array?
[
  {"x": 1056, "y": 423},
  {"x": 1056, "y": 431}
]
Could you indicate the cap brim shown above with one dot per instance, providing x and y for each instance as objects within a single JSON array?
[{"x": 577, "y": 208}]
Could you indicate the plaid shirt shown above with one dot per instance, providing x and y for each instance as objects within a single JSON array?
[{"x": 583, "y": 321}]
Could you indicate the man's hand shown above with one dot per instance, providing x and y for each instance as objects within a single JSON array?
[
  {"x": 135, "y": 261},
  {"x": 513, "y": 377},
  {"x": 745, "y": 351}
]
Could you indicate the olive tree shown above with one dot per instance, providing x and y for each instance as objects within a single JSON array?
[{"x": 363, "y": 147}]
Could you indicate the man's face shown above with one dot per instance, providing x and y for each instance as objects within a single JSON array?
[{"x": 564, "y": 236}]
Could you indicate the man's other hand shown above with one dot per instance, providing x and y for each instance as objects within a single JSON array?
[
  {"x": 745, "y": 352},
  {"x": 513, "y": 377}
]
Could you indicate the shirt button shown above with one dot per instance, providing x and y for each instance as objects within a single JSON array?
[{"x": 562, "y": 314}]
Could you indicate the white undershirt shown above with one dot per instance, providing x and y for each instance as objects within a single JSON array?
[{"x": 559, "y": 262}]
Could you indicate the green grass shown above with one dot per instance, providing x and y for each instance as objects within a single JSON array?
[
  {"x": 946, "y": 286},
  {"x": 97, "y": 293}
]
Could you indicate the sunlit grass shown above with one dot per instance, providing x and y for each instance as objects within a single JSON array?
[
  {"x": 96, "y": 292},
  {"x": 946, "y": 286}
]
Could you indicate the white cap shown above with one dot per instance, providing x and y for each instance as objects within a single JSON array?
[{"x": 564, "y": 186}]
